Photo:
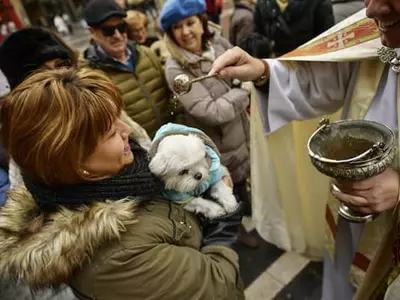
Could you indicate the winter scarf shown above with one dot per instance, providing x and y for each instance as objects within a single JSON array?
[{"x": 135, "y": 180}]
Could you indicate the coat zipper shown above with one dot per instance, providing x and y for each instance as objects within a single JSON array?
[{"x": 173, "y": 222}]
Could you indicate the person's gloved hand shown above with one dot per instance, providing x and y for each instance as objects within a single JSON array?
[
  {"x": 222, "y": 231},
  {"x": 247, "y": 86}
]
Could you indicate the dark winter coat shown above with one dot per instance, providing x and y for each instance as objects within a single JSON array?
[{"x": 299, "y": 23}]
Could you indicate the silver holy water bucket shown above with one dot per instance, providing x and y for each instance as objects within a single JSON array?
[{"x": 352, "y": 150}]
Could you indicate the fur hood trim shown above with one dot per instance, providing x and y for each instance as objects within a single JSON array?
[
  {"x": 184, "y": 57},
  {"x": 44, "y": 250}
]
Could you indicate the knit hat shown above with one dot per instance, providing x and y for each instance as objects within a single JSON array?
[
  {"x": 98, "y": 11},
  {"x": 174, "y": 11},
  {"x": 27, "y": 50}
]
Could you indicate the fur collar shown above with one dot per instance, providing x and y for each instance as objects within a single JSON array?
[
  {"x": 187, "y": 58},
  {"x": 44, "y": 250}
]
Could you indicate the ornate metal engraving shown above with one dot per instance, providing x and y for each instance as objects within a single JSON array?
[
  {"x": 389, "y": 56},
  {"x": 352, "y": 150},
  {"x": 356, "y": 172},
  {"x": 183, "y": 84}
]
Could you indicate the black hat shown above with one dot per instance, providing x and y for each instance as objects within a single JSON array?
[
  {"x": 98, "y": 11},
  {"x": 25, "y": 51}
]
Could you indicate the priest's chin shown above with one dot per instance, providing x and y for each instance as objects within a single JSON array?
[{"x": 391, "y": 38}]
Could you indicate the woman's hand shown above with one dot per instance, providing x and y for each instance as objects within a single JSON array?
[
  {"x": 247, "y": 86},
  {"x": 227, "y": 179},
  {"x": 236, "y": 63},
  {"x": 372, "y": 195}
]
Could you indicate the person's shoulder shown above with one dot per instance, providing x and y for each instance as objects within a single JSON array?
[
  {"x": 90, "y": 58},
  {"x": 151, "y": 40},
  {"x": 148, "y": 59},
  {"x": 152, "y": 217},
  {"x": 172, "y": 63},
  {"x": 153, "y": 226},
  {"x": 150, "y": 226},
  {"x": 219, "y": 40},
  {"x": 144, "y": 50}
]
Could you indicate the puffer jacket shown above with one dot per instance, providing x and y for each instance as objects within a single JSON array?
[
  {"x": 214, "y": 105},
  {"x": 115, "y": 250},
  {"x": 145, "y": 92},
  {"x": 300, "y": 22}
]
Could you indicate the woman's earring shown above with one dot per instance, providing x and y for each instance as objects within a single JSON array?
[{"x": 86, "y": 173}]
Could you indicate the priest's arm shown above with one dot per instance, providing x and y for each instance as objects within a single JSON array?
[
  {"x": 296, "y": 90},
  {"x": 304, "y": 90}
]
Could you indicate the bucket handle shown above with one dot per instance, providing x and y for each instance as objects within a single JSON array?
[{"x": 325, "y": 123}]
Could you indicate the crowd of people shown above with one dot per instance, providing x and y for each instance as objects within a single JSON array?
[{"x": 79, "y": 204}]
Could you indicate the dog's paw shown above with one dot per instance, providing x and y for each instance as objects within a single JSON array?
[
  {"x": 224, "y": 196},
  {"x": 229, "y": 203},
  {"x": 205, "y": 207},
  {"x": 215, "y": 212}
]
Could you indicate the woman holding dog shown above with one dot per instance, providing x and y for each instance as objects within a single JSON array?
[
  {"x": 216, "y": 106},
  {"x": 88, "y": 214}
]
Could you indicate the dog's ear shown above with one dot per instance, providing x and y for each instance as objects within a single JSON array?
[{"x": 158, "y": 165}]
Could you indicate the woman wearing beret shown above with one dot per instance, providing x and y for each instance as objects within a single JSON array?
[{"x": 216, "y": 106}]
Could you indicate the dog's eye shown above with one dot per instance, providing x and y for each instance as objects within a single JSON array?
[{"x": 183, "y": 172}]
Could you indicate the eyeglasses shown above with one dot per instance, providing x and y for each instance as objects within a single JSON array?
[
  {"x": 138, "y": 30},
  {"x": 110, "y": 30}
]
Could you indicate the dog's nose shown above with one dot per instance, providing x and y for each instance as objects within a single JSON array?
[{"x": 198, "y": 176}]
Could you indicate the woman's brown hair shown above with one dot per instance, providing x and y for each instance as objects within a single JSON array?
[
  {"x": 52, "y": 122},
  {"x": 207, "y": 35}
]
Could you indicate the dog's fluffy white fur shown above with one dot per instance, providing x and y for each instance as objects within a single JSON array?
[{"x": 181, "y": 163}]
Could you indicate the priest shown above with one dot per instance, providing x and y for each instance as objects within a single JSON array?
[{"x": 352, "y": 68}]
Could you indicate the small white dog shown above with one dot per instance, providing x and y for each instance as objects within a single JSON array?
[{"x": 188, "y": 167}]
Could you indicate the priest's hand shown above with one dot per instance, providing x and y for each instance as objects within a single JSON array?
[
  {"x": 236, "y": 63},
  {"x": 227, "y": 179},
  {"x": 372, "y": 195}
]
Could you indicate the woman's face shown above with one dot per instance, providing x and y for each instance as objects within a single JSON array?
[
  {"x": 138, "y": 33},
  {"x": 188, "y": 34},
  {"x": 112, "y": 152}
]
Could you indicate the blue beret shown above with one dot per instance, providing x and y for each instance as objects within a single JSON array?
[{"x": 174, "y": 11}]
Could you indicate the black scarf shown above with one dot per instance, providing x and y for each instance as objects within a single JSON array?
[{"x": 135, "y": 180}]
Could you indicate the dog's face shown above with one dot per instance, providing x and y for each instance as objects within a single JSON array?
[{"x": 181, "y": 162}]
